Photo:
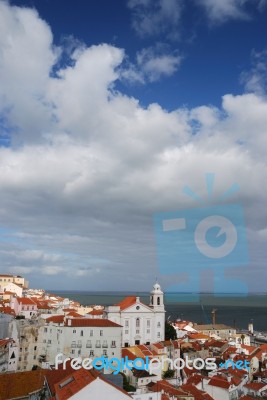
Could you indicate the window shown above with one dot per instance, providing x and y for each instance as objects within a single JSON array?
[
  {"x": 158, "y": 325},
  {"x": 148, "y": 331},
  {"x": 127, "y": 323},
  {"x": 74, "y": 331},
  {"x": 158, "y": 334},
  {"x": 91, "y": 332},
  {"x": 137, "y": 322},
  {"x": 35, "y": 347},
  {"x": 91, "y": 353},
  {"x": 98, "y": 343},
  {"x": 105, "y": 344},
  {"x": 88, "y": 344},
  {"x": 49, "y": 341},
  {"x": 79, "y": 343},
  {"x": 72, "y": 351},
  {"x": 105, "y": 352},
  {"x": 158, "y": 301},
  {"x": 101, "y": 333},
  {"x": 148, "y": 323},
  {"x": 44, "y": 341},
  {"x": 81, "y": 333},
  {"x": 126, "y": 331},
  {"x": 113, "y": 343},
  {"x": 45, "y": 330}
]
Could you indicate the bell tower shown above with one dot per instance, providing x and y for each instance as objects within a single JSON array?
[{"x": 156, "y": 298}]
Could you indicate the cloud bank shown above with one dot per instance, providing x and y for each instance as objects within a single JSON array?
[{"x": 88, "y": 166}]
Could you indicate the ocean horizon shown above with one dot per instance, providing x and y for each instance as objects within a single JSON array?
[{"x": 231, "y": 308}]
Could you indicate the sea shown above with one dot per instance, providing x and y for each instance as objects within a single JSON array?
[{"x": 231, "y": 309}]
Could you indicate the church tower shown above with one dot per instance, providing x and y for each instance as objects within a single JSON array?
[{"x": 156, "y": 298}]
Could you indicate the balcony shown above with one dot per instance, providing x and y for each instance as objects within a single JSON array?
[
  {"x": 79, "y": 346},
  {"x": 73, "y": 346},
  {"x": 98, "y": 345},
  {"x": 105, "y": 346},
  {"x": 88, "y": 345}
]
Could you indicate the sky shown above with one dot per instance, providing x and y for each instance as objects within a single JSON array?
[{"x": 108, "y": 109}]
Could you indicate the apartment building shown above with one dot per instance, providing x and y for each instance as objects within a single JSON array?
[{"x": 79, "y": 337}]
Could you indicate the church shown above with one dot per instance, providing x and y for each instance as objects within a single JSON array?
[{"x": 142, "y": 324}]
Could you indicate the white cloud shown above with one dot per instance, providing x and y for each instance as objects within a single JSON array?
[
  {"x": 152, "y": 64},
  {"x": 221, "y": 11},
  {"x": 26, "y": 58},
  {"x": 155, "y": 64},
  {"x": 255, "y": 80},
  {"x": 154, "y": 17},
  {"x": 52, "y": 270},
  {"x": 91, "y": 165}
]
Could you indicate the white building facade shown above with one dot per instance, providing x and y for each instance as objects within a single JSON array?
[
  {"x": 142, "y": 324},
  {"x": 79, "y": 337}
]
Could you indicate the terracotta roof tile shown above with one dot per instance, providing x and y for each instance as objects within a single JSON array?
[
  {"x": 94, "y": 322},
  {"x": 20, "y": 384},
  {"x": 127, "y": 302}
]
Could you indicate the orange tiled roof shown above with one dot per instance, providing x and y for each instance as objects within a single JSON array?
[
  {"x": 219, "y": 382},
  {"x": 127, "y": 302},
  {"x": 19, "y": 384},
  {"x": 25, "y": 301},
  {"x": 93, "y": 322},
  {"x": 96, "y": 312},
  {"x": 255, "y": 385},
  {"x": 57, "y": 319}
]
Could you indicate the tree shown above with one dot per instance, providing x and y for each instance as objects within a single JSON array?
[
  {"x": 126, "y": 385},
  {"x": 168, "y": 374},
  {"x": 170, "y": 332}
]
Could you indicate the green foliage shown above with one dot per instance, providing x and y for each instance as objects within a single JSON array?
[
  {"x": 170, "y": 332},
  {"x": 126, "y": 386},
  {"x": 168, "y": 374}
]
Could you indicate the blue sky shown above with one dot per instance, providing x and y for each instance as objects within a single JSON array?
[
  {"x": 215, "y": 51},
  {"x": 107, "y": 110}
]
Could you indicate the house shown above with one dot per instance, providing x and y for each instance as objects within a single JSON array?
[
  {"x": 142, "y": 324},
  {"x": 17, "y": 279},
  {"x": 8, "y": 355},
  {"x": 216, "y": 330},
  {"x": 21, "y": 385},
  {"x": 79, "y": 337},
  {"x": 24, "y": 306},
  {"x": 84, "y": 384}
]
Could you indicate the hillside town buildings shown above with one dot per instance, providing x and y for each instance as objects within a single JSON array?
[{"x": 40, "y": 333}]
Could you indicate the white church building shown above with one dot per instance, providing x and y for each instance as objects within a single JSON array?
[{"x": 141, "y": 323}]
